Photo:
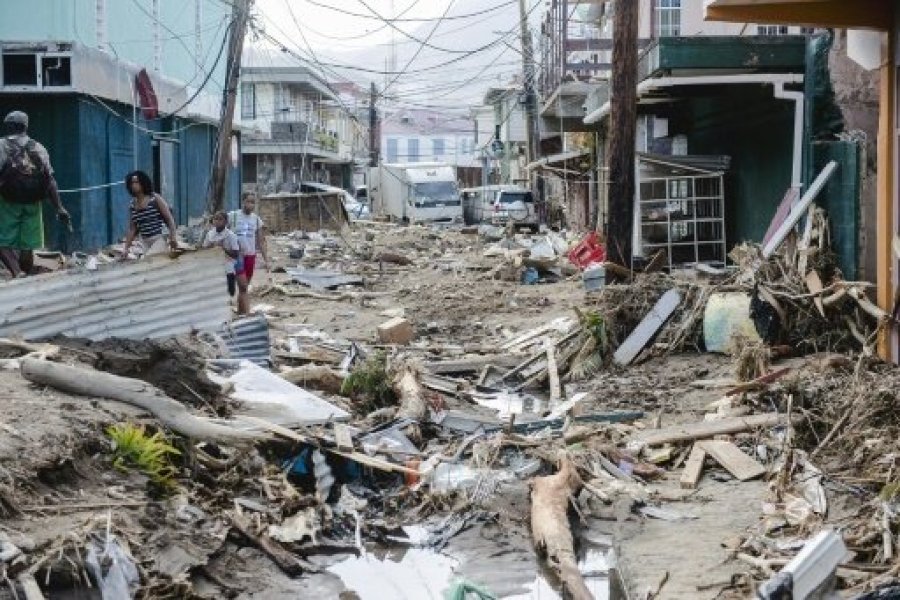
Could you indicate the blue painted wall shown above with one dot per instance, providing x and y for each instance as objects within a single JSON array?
[{"x": 90, "y": 146}]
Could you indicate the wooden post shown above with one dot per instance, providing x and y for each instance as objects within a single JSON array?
[
  {"x": 622, "y": 124},
  {"x": 885, "y": 204},
  {"x": 374, "y": 139},
  {"x": 240, "y": 19},
  {"x": 532, "y": 140}
]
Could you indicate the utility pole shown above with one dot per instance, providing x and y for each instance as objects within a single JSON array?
[
  {"x": 373, "y": 128},
  {"x": 532, "y": 141},
  {"x": 622, "y": 124},
  {"x": 240, "y": 19}
]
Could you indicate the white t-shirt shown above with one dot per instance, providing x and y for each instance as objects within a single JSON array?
[
  {"x": 228, "y": 241},
  {"x": 245, "y": 227}
]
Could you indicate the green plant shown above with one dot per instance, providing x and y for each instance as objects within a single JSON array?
[
  {"x": 593, "y": 346},
  {"x": 150, "y": 454},
  {"x": 370, "y": 381},
  {"x": 595, "y": 324}
]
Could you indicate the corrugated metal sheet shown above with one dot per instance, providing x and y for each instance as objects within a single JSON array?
[
  {"x": 248, "y": 339},
  {"x": 151, "y": 298}
]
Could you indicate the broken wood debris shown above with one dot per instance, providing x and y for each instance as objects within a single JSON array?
[
  {"x": 741, "y": 466},
  {"x": 709, "y": 429},
  {"x": 693, "y": 468}
]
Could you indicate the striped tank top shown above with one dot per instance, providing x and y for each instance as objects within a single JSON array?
[{"x": 147, "y": 220}]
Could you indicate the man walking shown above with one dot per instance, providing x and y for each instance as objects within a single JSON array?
[
  {"x": 26, "y": 180},
  {"x": 247, "y": 225}
]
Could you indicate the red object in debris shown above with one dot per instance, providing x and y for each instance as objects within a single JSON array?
[
  {"x": 149, "y": 103},
  {"x": 590, "y": 250}
]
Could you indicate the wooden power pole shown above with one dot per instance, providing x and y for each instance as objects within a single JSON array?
[
  {"x": 532, "y": 141},
  {"x": 373, "y": 128},
  {"x": 622, "y": 125},
  {"x": 240, "y": 20}
]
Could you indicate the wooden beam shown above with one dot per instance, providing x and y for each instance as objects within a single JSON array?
[
  {"x": 731, "y": 457},
  {"x": 709, "y": 429},
  {"x": 860, "y": 14},
  {"x": 693, "y": 468},
  {"x": 884, "y": 221},
  {"x": 553, "y": 374}
]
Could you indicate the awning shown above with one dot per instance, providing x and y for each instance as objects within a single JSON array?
[
  {"x": 864, "y": 14},
  {"x": 556, "y": 158},
  {"x": 654, "y": 84}
]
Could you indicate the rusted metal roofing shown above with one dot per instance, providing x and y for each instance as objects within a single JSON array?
[{"x": 151, "y": 298}]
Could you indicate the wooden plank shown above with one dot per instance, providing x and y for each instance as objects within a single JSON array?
[
  {"x": 731, "y": 457},
  {"x": 560, "y": 325},
  {"x": 760, "y": 383},
  {"x": 553, "y": 374},
  {"x": 343, "y": 438},
  {"x": 693, "y": 468},
  {"x": 814, "y": 284},
  {"x": 798, "y": 210},
  {"x": 472, "y": 365},
  {"x": 709, "y": 429},
  {"x": 30, "y": 587},
  {"x": 647, "y": 328}
]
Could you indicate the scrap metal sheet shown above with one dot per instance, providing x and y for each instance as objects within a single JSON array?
[
  {"x": 323, "y": 280},
  {"x": 151, "y": 298}
]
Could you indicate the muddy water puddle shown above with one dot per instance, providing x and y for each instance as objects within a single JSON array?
[{"x": 487, "y": 558}]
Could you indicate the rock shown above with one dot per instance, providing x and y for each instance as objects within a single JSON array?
[{"x": 396, "y": 331}]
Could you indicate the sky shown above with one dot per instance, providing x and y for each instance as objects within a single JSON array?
[{"x": 470, "y": 52}]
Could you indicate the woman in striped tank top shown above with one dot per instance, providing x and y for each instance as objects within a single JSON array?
[{"x": 148, "y": 213}]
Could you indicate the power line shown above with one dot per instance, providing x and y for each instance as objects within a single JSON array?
[
  {"x": 422, "y": 43},
  {"x": 407, "y": 71},
  {"x": 410, "y": 20},
  {"x": 418, "y": 51}
]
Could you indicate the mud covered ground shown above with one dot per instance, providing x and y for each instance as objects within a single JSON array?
[{"x": 58, "y": 481}]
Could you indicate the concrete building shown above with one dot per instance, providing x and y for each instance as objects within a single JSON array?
[
  {"x": 75, "y": 67},
  {"x": 299, "y": 128},
  {"x": 692, "y": 76},
  {"x": 872, "y": 42},
  {"x": 501, "y": 135}
]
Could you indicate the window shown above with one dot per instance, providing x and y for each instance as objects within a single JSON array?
[
  {"x": 438, "y": 147},
  {"x": 412, "y": 150},
  {"x": 248, "y": 101},
  {"x": 808, "y": 31},
  {"x": 668, "y": 18},
  {"x": 771, "y": 30},
  {"x": 20, "y": 69},
  {"x": 391, "y": 150},
  {"x": 56, "y": 71},
  {"x": 282, "y": 104}
]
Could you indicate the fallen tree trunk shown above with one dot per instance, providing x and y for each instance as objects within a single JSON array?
[
  {"x": 171, "y": 413},
  {"x": 317, "y": 377},
  {"x": 550, "y": 526}
]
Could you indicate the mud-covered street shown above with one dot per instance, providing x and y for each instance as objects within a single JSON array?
[{"x": 425, "y": 476}]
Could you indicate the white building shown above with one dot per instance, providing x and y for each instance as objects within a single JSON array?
[
  {"x": 300, "y": 127},
  {"x": 409, "y": 136}
]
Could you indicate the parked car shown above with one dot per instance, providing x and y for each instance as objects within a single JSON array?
[{"x": 498, "y": 205}]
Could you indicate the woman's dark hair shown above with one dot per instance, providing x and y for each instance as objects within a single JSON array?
[{"x": 143, "y": 179}]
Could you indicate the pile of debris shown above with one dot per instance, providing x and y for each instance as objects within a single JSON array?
[{"x": 315, "y": 445}]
